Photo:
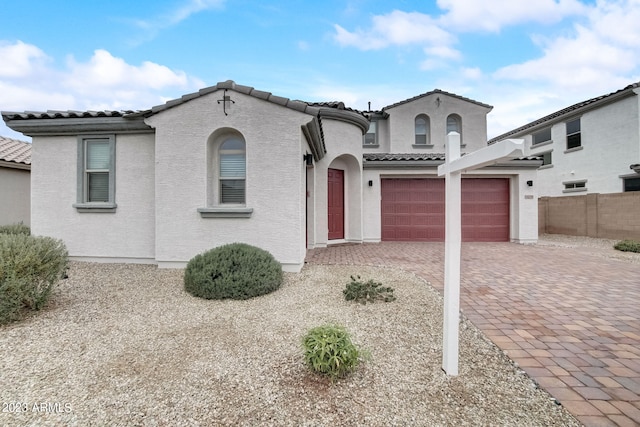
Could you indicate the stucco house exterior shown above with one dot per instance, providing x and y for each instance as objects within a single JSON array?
[
  {"x": 15, "y": 181},
  {"x": 231, "y": 163},
  {"x": 589, "y": 147}
]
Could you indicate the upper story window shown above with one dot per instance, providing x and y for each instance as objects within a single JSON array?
[
  {"x": 232, "y": 172},
  {"x": 96, "y": 173},
  {"x": 541, "y": 136},
  {"x": 546, "y": 158},
  {"x": 422, "y": 130},
  {"x": 454, "y": 124},
  {"x": 371, "y": 137},
  {"x": 573, "y": 134}
]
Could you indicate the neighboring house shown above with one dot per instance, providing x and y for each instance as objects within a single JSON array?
[
  {"x": 590, "y": 147},
  {"x": 230, "y": 163},
  {"x": 15, "y": 181}
]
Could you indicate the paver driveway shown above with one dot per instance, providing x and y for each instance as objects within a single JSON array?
[{"x": 570, "y": 318}]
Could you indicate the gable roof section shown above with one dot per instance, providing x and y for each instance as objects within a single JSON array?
[
  {"x": 572, "y": 109},
  {"x": 14, "y": 153},
  {"x": 438, "y": 91}
]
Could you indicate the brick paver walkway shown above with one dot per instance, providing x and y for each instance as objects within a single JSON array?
[{"x": 569, "y": 318}]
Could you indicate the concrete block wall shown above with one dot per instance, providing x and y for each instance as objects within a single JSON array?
[{"x": 608, "y": 216}]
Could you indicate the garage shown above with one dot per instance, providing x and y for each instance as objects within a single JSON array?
[{"x": 413, "y": 209}]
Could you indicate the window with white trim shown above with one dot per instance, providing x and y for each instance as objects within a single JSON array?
[
  {"x": 422, "y": 130},
  {"x": 574, "y": 186},
  {"x": 96, "y": 173},
  {"x": 371, "y": 137},
  {"x": 541, "y": 136},
  {"x": 454, "y": 124},
  {"x": 574, "y": 139},
  {"x": 232, "y": 171}
]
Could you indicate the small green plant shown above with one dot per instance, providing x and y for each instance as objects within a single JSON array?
[
  {"x": 370, "y": 291},
  {"x": 15, "y": 229},
  {"x": 29, "y": 268},
  {"x": 328, "y": 350},
  {"x": 628, "y": 246},
  {"x": 233, "y": 271}
]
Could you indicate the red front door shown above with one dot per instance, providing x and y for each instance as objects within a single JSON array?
[{"x": 335, "y": 183}]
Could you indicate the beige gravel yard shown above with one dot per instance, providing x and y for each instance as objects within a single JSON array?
[{"x": 125, "y": 345}]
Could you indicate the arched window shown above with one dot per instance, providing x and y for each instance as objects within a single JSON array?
[
  {"x": 454, "y": 124},
  {"x": 422, "y": 130},
  {"x": 232, "y": 171}
]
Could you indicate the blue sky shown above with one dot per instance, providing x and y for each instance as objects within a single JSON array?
[{"x": 526, "y": 58}]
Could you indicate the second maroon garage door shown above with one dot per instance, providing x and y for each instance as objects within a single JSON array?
[{"x": 413, "y": 209}]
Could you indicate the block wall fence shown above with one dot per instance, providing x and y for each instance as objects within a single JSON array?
[{"x": 607, "y": 216}]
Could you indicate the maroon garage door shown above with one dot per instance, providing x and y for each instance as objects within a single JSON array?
[{"x": 413, "y": 209}]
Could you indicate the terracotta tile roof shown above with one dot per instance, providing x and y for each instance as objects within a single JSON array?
[
  {"x": 368, "y": 157},
  {"x": 55, "y": 114},
  {"x": 12, "y": 150},
  {"x": 381, "y": 157},
  {"x": 572, "y": 108}
]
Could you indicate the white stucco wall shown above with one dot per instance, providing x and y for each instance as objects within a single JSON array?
[
  {"x": 401, "y": 123},
  {"x": 127, "y": 234},
  {"x": 15, "y": 196},
  {"x": 610, "y": 143},
  {"x": 275, "y": 179},
  {"x": 344, "y": 151}
]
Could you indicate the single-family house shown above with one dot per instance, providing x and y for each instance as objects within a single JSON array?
[
  {"x": 15, "y": 181},
  {"x": 231, "y": 163},
  {"x": 589, "y": 147}
]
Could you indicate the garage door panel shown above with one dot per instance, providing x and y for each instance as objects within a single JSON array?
[{"x": 414, "y": 209}]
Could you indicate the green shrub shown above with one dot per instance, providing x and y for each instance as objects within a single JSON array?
[
  {"x": 370, "y": 291},
  {"x": 15, "y": 229},
  {"x": 628, "y": 246},
  {"x": 328, "y": 350},
  {"x": 29, "y": 268},
  {"x": 235, "y": 271}
]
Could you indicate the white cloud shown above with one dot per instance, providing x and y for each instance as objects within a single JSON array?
[
  {"x": 600, "y": 56},
  {"x": 104, "y": 82},
  {"x": 397, "y": 28},
  {"x": 155, "y": 24},
  {"x": 492, "y": 15},
  {"x": 20, "y": 59}
]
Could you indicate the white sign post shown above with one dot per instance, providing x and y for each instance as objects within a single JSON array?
[{"x": 452, "y": 171}]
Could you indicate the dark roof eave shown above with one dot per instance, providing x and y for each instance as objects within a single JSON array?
[
  {"x": 315, "y": 138},
  {"x": 63, "y": 126},
  {"x": 438, "y": 91},
  {"x": 350, "y": 117},
  {"x": 14, "y": 165}
]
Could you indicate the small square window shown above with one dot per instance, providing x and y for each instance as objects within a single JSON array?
[
  {"x": 632, "y": 184},
  {"x": 546, "y": 158},
  {"x": 371, "y": 137},
  {"x": 541, "y": 136}
]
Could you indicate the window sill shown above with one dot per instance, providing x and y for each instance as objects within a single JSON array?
[
  {"x": 541, "y": 144},
  {"x": 422, "y": 145},
  {"x": 95, "y": 207},
  {"x": 225, "y": 212},
  {"x": 571, "y": 150},
  {"x": 545, "y": 167},
  {"x": 574, "y": 190},
  {"x": 370, "y": 145}
]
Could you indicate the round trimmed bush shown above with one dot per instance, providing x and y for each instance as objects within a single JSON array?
[{"x": 233, "y": 271}]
